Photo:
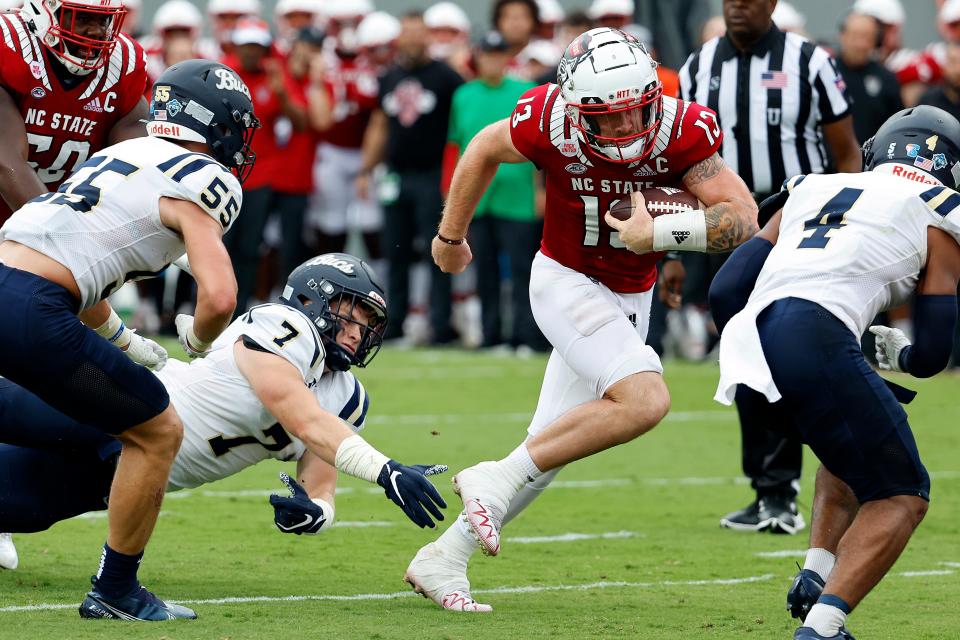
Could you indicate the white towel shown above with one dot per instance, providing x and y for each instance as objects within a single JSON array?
[{"x": 741, "y": 357}]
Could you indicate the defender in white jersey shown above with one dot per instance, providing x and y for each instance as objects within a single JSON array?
[
  {"x": 792, "y": 304},
  {"x": 276, "y": 384},
  {"x": 128, "y": 212}
]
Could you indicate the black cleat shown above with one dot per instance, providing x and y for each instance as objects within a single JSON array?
[
  {"x": 806, "y": 633},
  {"x": 803, "y": 594},
  {"x": 746, "y": 519},
  {"x": 139, "y": 605}
]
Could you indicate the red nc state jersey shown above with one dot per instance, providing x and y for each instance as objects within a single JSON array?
[
  {"x": 352, "y": 85},
  {"x": 65, "y": 126},
  {"x": 581, "y": 187}
]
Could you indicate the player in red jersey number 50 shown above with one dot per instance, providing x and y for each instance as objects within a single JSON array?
[
  {"x": 70, "y": 84},
  {"x": 601, "y": 134}
]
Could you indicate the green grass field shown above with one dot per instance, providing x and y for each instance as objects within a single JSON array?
[{"x": 665, "y": 569}]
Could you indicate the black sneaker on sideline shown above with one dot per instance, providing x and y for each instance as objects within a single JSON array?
[
  {"x": 780, "y": 513},
  {"x": 746, "y": 519}
]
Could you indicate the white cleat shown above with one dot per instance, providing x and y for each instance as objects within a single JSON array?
[
  {"x": 486, "y": 493},
  {"x": 8, "y": 552},
  {"x": 435, "y": 576}
]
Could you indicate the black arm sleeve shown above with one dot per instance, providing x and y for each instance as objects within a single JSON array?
[
  {"x": 734, "y": 282},
  {"x": 934, "y": 321}
]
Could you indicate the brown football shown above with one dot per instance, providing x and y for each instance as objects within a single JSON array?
[{"x": 660, "y": 200}]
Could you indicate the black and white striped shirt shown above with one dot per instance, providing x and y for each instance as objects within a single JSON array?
[{"x": 771, "y": 102}]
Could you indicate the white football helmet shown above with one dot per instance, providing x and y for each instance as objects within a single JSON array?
[
  {"x": 54, "y": 22},
  {"x": 377, "y": 29},
  {"x": 234, "y": 7},
  {"x": 178, "y": 14},
  {"x": 612, "y": 93}
]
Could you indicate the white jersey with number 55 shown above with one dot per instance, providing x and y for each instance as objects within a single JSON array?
[
  {"x": 104, "y": 222},
  {"x": 226, "y": 427},
  {"x": 854, "y": 243}
]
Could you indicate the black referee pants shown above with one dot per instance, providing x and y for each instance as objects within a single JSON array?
[{"x": 772, "y": 459}]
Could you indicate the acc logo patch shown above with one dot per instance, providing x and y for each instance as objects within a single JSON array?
[
  {"x": 38, "y": 92},
  {"x": 576, "y": 168}
]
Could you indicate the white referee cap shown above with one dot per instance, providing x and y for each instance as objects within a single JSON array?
[{"x": 886, "y": 11}]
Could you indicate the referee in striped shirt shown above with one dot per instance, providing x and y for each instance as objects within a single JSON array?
[{"x": 784, "y": 111}]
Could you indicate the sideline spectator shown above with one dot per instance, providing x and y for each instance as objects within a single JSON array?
[
  {"x": 505, "y": 221},
  {"x": 873, "y": 88},
  {"x": 408, "y": 131},
  {"x": 275, "y": 96}
]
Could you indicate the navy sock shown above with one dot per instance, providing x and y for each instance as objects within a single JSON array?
[
  {"x": 834, "y": 601},
  {"x": 117, "y": 575}
]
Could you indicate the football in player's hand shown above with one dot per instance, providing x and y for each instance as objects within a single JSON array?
[{"x": 660, "y": 200}]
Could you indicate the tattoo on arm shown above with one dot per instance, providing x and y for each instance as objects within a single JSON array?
[
  {"x": 703, "y": 171},
  {"x": 725, "y": 229}
]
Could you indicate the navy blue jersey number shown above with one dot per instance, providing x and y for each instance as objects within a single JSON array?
[{"x": 829, "y": 218}]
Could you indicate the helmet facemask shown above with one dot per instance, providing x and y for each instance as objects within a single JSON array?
[
  {"x": 341, "y": 313},
  {"x": 622, "y": 131},
  {"x": 233, "y": 148},
  {"x": 65, "y": 20}
]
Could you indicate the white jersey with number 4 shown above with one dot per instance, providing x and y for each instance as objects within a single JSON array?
[
  {"x": 104, "y": 222},
  {"x": 226, "y": 427},
  {"x": 852, "y": 243}
]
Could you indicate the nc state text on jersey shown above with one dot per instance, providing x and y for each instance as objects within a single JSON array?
[
  {"x": 60, "y": 122},
  {"x": 589, "y": 185}
]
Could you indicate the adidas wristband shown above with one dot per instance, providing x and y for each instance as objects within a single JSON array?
[{"x": 685, "y": 231}]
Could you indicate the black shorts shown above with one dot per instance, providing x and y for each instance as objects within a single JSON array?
[
  {"x": 46, "y": 349},
  {"x": 837, "y": 403}
]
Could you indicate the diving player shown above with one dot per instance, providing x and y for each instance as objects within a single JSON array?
[{"x": 288, "y": 359}]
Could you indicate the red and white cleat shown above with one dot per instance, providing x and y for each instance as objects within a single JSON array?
[
  {"x": 486, "y": 490},
  {"x": 435, "y": 576}
]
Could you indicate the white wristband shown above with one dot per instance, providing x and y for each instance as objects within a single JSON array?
[
  {"x": 115, "y": 331},
  {"x": 685, "y": 231},
  {"x": 196, "y": 343},
  {"x": 328, "y": 514},
  {"x": 357, "y": 458}
]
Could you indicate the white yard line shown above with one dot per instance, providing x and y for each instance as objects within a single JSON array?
[
  {"x": 575, "y": 537},
  {"x": 404, "y": 594},
  {"x": 434, "y": 419}
]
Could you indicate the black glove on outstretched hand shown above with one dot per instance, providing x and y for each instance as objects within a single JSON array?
[{"x": 410, "y": 490}]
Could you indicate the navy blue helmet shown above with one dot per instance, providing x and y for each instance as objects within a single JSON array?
[
  {"x": 924, "y": 137},
  {"x": 205, "y": 101},
  {"x": 330, "y": 289}
]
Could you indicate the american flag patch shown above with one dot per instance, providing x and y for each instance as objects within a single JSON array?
[
  {"x": 924, "y": 163},
  {"x": 773, "y": 80}
]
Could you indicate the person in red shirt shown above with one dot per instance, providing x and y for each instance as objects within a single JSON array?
[
  {"x": 68, "y": 88},
  {"x": 279, "y": 104},
  {"x": 600, "y": 135},
  {"x": 351, "y": 81}
]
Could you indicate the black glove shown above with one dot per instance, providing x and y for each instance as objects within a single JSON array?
[
  {"x": 410, "y": 490},
  {"x": 298, "y": 513}
]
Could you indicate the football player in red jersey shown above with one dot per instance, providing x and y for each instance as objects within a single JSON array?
[
  {"x": 70, "y": 84},
  {"x": 604, "y": 132}
]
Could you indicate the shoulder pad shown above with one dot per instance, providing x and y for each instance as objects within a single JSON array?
[
  {"x": 285, "y": 332},
  {"x": 206, "y": 182}
]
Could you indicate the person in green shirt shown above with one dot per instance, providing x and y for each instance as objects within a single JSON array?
[{"x": 506, "y": 221}]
